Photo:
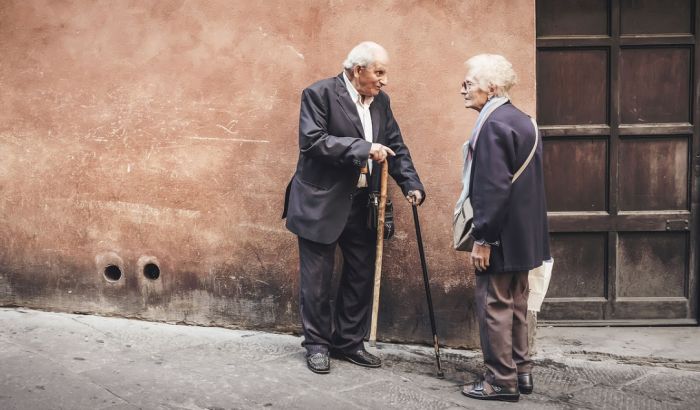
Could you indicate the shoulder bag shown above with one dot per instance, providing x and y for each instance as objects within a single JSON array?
[{"x": 462, "y": 223}]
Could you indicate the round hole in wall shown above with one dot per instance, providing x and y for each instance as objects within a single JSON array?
[
  {"x": 112, "y": 273},
  {"x": 151, "y": 271}
]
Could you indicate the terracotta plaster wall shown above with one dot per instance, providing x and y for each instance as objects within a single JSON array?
[{"x": 135, "y": 132}]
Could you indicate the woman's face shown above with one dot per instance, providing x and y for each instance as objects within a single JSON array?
[{"x": 474, "y": 97}]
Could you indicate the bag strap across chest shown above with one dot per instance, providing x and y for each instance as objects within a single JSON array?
[{"x": 532, "y": 153}]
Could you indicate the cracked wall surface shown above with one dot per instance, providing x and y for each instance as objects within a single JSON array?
[{"x": 165, "y": 132}]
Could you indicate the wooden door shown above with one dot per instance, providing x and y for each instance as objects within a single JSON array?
[{"x": 617, "y": 104}]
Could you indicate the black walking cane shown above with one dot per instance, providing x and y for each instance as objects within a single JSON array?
[{"x": 426, "y": 281}]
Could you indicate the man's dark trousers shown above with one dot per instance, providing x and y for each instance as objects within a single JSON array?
[{"x": 347, "y": 329}]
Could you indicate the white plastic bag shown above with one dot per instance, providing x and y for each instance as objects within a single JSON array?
[{"x": 538, "y": 279}]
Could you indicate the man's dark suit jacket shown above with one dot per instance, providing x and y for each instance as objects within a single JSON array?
[
  {"x": 332, "y": 152},
  {"x": 515, "y": 214}
]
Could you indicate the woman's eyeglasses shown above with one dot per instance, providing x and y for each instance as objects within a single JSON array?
[{"x": 467, "y": 85}]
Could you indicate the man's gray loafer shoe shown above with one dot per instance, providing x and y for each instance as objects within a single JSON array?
[{"x": 319, "y": 363}]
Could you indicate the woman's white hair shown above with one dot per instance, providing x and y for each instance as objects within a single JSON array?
[
  {"x": 492, "y": 71},
  {"x": 364, "y": 55}
]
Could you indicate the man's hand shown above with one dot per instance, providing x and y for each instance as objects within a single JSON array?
[
  {"x": 415, "y": 197},
  {"x": 480, "y": 256},
  {"x": 379, "y": 152}
]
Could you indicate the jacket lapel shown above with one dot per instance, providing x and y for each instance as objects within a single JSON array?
[
  {"x": 347, "y": 105},
  {"x": 374, "y": 113}
]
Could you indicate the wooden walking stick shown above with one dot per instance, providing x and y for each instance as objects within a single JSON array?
[{"x": 380, "y": 249}]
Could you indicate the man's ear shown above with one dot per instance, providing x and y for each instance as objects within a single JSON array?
[{"x": 356, "y": 71}]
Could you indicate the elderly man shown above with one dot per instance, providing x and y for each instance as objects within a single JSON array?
[{"x": 346, "y": 133}]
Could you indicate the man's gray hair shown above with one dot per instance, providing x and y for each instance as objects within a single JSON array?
[
  {"x": 364, "y": 55},
  {"x": 492, "y": 70}
]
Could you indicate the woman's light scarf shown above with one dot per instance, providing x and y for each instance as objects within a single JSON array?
[{"x": 469, "y": 147}]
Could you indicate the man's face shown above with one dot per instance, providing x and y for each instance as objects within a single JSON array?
[
  {"x": 474, "y": 97},
  {"x": 369, "y": 80}
]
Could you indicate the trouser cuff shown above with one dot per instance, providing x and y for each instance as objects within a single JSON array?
[{"x": 312, "y": 349}]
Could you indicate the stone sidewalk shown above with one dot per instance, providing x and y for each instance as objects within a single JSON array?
[{"x": 66, "y": 361}]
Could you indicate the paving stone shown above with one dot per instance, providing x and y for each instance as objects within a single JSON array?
[
  {"x": 60, "y": 361},
  {"x": 604, "y": 397},
  {"x": 672, "y": 386}
]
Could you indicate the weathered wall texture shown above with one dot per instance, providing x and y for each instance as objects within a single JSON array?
[{"x": 164, "y": 132}]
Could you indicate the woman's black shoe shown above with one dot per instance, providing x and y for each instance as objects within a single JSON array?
[
  {"x": 484, "y": 391},
  {"x": 525, "y": 383}
]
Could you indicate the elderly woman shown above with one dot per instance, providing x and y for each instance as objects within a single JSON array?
[{"x": 504, "y": 181}]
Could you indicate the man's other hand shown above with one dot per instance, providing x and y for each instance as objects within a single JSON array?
[{"x": 415, "y": 197}]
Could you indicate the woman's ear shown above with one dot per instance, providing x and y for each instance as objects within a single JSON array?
[{"x": 492, "y": 90}]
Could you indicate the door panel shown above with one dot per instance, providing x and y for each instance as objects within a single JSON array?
[
  {"x": 655, "y": 85},
  {"x": 583, "y": 257},
  {"x": 652, "y": 264},
  {"x": 617, "y": 106},
  {"x": 656, "y": 17},
  {"x": 576, "y": 166},
  {"x": 562, "y": 99},
  {"x": 574, "y": 17},
  {"x": 653, "y": 174}
]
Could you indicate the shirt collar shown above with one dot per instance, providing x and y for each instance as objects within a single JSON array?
[{"x": 354, "y": 95}]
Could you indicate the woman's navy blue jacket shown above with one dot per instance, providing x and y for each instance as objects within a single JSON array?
[{"x": 513, "y": 215}]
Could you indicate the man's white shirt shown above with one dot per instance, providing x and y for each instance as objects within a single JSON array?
[{"x": 365, "y": 118}]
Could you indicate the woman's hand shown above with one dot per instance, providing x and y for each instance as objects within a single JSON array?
[{"x": 480, "y": 256}]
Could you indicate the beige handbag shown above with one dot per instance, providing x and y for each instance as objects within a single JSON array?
[
  {"x": 462, "y": 223},
  {"x": 462, "y": 227}
]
